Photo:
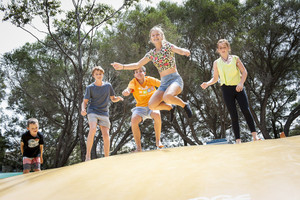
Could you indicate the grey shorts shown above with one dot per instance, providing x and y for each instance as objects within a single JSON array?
[
  {"x": 169, "y": 79},
  {"x": 144, "y": 112},
  {"x": 99, "y": 119}
]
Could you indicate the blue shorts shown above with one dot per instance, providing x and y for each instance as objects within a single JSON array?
[
  {"x": 144, "y": 112},
  {"x": 169, "y": 79}
]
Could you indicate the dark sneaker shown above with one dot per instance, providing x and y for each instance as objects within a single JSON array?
[
  {"x": 188, "y": 110},
  {"x": 172, "y": 113}
]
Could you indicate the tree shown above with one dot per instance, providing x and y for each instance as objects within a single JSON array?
[
  {"x": 292, "y": 116},
  {"x": 48, "y": 78},
  {"x": 271, "y": 52},
  {"x": 72, "y": 37},
  {"x": 3, "y": 147},
  {"x": 10, "y": 145}
]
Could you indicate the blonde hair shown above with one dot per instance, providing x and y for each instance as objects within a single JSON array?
[
  {"x": 97, "y": 68},
  {"x": 160, "y": 30},
  {"x": 224, "y": 41}
]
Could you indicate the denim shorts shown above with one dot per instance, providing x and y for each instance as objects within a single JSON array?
[
  {"x": 169, "y": 79},
  {"x": 144, "y": 112},
  {"x": 101, "y": 119}
]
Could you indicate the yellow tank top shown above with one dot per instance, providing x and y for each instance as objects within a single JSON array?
[{"x": 229, "y": 73}]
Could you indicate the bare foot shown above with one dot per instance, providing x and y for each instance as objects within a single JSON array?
[
  {"x": 137, "y": 150},
  {"x": 254, "y": 135},
  {"x": 238, "y": 141}
]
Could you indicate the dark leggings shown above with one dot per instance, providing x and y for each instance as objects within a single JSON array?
[{"x": 230, "y": 95}]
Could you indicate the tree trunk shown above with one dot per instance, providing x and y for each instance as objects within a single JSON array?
[
  {"x": 123, "y": 141},
  {"x": 292, "y": 116},
  {"x": 179, "y": 131}
]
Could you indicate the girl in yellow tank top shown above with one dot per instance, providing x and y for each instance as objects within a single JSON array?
[
  {"x": 232, "y": 74},
  {"x": 228, "y": 71}
]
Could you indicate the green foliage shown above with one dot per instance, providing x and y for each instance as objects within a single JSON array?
[
  {"x": 296, "y": 130},
  {"x": 47, "y": 79},
  {"x": 3, "y": 147},
  {"x": 22, "y": 12},
  {"x": 12, "y": 158},
  {"x": 271, "y": 46}
]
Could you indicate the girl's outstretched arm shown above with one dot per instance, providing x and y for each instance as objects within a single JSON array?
[
  {"x": 214, "y": 79},
  {"x": 132, "y": 66},
  {"x": 180, "y": 51}
]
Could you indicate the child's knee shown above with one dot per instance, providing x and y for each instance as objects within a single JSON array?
[
  {"x": 151, "y": 106},
  {"x": 92, "y": 130},
  {"x": 155, "y": 116},
  {"x": 135, "y": 120}
]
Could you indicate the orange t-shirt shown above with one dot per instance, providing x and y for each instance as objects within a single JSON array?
[{"x": 142, "y": 93}]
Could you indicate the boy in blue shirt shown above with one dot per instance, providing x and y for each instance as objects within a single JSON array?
[{"x": 98, "y": 95}]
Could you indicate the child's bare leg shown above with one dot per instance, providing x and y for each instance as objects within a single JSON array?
[
  {"x": 135, "y": 121},
  {"x": 90, "y": 140},
  {"x": 157, "y": 127},
  {"x": 238, "y": 141},
  {"x": 254, "y": 135},
  {"x": 156, "y": 101},
  {"x": 170, "y": 95},
  {"x": 105, "y": 136},
  {"x": 26, "y": 171}
]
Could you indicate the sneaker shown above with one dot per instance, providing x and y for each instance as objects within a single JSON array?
[
  {"x": 188, "y": 110},
  {"x": 160, "y": 146},
  {"x": 172, "y": 111}
]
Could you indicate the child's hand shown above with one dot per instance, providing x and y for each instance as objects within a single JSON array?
[
  {"x": 239, "y": 87},
  {"x": 204, "y": 85},
  {"x": 83, "y": 112},
  {"x": 126, "y": 92},
  {"x": 117, "y": 66},
  {"x": 187, "y": 53},
  {"x": 120, "y": 98},
  {"x": 42, "y": 160}
]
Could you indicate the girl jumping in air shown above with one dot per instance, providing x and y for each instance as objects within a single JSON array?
[{"x": 163, "y": 58}]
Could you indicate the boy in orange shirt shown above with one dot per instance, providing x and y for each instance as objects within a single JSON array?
[{"x": 142, "y": 87}]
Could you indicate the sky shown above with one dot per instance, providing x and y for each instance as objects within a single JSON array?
[{"x": 12, "y": 37}]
